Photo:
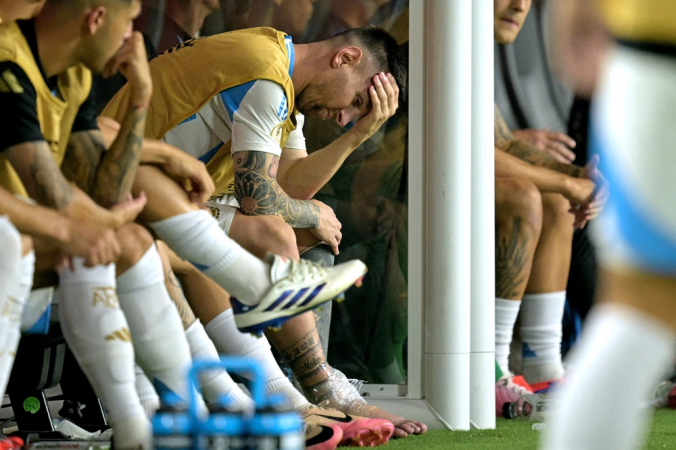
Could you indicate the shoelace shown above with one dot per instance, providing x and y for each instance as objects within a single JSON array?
[{"x": 303, "y": 269}]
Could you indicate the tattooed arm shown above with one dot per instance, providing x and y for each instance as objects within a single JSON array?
[
  {"x": 259, "y": 193},
  {"x": 505, "y": 140},
  {"x": 46, "y": 184},
  {"x": 117, "y": 170}
]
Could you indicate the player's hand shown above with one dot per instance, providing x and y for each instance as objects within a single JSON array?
[
  {"x": 580, "y": 193},
  {"x": 384, "y": 94},
  {"x": 329, "y": 227},
  {"x": 97, "y": 244},
  {"x": 127, "y": 211},
  {"x": 555, "y": 144},
  {"x": 602, "y": 192},
  {"x": 132, "y": 62},
  {"x": 182, "y": 166}
]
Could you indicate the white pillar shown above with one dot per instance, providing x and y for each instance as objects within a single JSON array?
[
  {"x": 447, "y": 208},
  {"x": 482, "y": 324}
]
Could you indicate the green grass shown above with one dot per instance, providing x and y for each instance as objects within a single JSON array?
[{"x": 518, "y": 435}]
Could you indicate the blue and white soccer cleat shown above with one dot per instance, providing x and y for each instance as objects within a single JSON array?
[{"x": 297, "y": 286}]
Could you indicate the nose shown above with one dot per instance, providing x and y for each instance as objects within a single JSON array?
[
  {"x": 519, "y": 5},
  {"x": 346, "y": 115}
]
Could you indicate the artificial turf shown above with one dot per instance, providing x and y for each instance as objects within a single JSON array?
[{"x": 518, "y": 435}]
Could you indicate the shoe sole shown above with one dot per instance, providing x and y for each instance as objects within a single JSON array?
[
  {"x": 368, "y": 437},
  {"x": 276, "y": 323}
]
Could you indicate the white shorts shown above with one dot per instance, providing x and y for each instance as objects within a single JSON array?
[
  {"x": 223, "y": 208},
  {"x": 634, "y": 133}
]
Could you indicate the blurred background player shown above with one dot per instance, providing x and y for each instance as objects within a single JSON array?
[{"x": 628, "y": 343}]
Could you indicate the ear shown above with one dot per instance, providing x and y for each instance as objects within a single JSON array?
[
  {"x": 346, "y": 56},
  {"x": 95, "y": 19}
]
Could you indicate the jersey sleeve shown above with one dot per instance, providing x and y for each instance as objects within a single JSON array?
[
  {"x": 86, "y": 115},
  {"x": 18, "y": 114},
  {"x": 256, "y": 109},
  {"x": 296, "y": 138}
]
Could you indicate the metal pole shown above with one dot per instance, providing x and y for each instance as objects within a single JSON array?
[
  {"x": 447, "y": 203},
  {"x": 482, "y": 348}
]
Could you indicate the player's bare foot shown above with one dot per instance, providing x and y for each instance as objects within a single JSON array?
[{"x": 338, "y": 393}]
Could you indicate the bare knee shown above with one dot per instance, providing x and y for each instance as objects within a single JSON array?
[
  {"x": 518, "y": 198},
  {"x": 278, "y": 236},
  {"x": 555, "y": 209},
  {"x": 134, "y": 242}
]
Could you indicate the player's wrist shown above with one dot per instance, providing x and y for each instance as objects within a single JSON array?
[
  {"x": 140, "y": 99},
  {"x": 61, "y": 229}
]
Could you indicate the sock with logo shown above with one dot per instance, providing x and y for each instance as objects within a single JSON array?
[
  {"x": 159, "y": 340},
  {"x": 216, "y": 384},
  {"x": 98, "y": 335},
  {"x": 230, "y": 341},
  {"x": 541, "y": 332},
  {"x": 506, "y": 313},
  {"x": 146, "y": 392},
  {"x": 622, "y": 355},
  {"x": 10, "y": 262},
  {"x": 196, "y": 237},
  {"x": 11, "y": 313}
]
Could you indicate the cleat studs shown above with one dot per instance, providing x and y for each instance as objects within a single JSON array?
[{"x": 360, "y": 282}]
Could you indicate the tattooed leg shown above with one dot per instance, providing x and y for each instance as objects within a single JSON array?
[
  {"x": 518, "y": 222},
  {"x": 306, "y": 357},
  {"x": 174, "y": 288}
]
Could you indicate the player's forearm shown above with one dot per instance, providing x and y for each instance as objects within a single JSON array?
[
  {"x": 269, "y": 199},
  {"x": 545, "y": 180},
  {"x": 308, "y": 175},
  {"x": 259, "y": 193},
  {"x": 117, "y": 170},
  {"x": 153, "y": 151},
  {"x": 34, "y": 220},
  {"x": 528, "y": 153},
  {"x": 82, "y": 207}
]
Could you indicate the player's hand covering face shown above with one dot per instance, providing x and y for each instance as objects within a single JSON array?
[{"x": 384, "y": 99}]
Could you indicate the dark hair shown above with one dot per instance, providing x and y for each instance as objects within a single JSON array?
[{"x": 387, "y": 55}]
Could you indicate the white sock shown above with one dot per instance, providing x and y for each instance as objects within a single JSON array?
[
  {"x": 622, "y": 355},
  {"x": 11, "y": 316},
  {"x": 132, "y": 434},
  {"x": 230, "y": 341},
  {"x": 541, "y": 332},
  {"x": 98, "y": 335},
  {"x": 506, "y": 312},
  {"x": 146, "y": 392},
  {"x": 196, "y": 237},
  {"x": 10, "y": 263},
  {"x": 216, "y": 384},
  {"x": 159, "y": 340}
]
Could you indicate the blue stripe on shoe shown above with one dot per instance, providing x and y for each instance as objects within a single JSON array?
[
  {"x": 313, "y": 295},
  {"x": 279, "y": 300},
  {"x": 296, "y": 298}
]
